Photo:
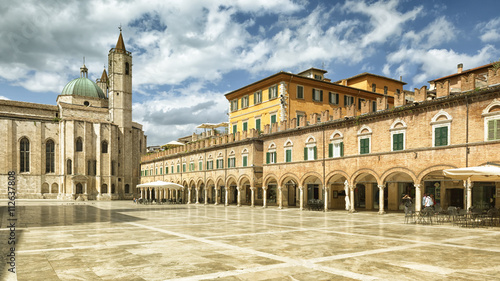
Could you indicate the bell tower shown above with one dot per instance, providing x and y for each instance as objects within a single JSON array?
[
  {"x": 120, "y": 84},
  {"x": 120, "y": 110}
]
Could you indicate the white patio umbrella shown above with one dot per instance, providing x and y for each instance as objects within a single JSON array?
[
  {"x": 165, "y": 184},
  {"x": 470, "y": 174}
]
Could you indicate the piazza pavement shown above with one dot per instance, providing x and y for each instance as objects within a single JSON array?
[{"x": 119, "y": 240}]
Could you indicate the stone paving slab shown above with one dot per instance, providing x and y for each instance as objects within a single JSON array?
[{"x": 123, "y": 241}]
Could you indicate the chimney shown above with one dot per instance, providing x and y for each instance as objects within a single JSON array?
[{"x": 460, "y": 67}]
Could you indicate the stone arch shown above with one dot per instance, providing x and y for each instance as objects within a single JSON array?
[
  {"x": 333, "y": 174},
  {"x": 287, "y": 177},
  {"x": 398, "y": 121},
  {"x": 199, "y": 182},
  {"x": 288, "y": 142},
  {"x": 268, "y": 178},
  {"x": 310, "y": 139},
  {"x": 365, "y": 171},
  {"x": 364, "y": 130},
  {"x": 45, "y": 188},
  {"x": 55, "y": 188},
  {"x": 230, "y": 179},
  {"x": 272, "y": 145},
  {"x": 386, "y": 174},
  {"x": 243, "y": 179},
  {"x": 431, "y": 169},
  {"x": 244, "y": 151},
  {"x": 336, "y": 135},
  {"x": 310, "y": 174},
  {"x": 441, "y": 113},
  {"x": 493, "y": 105}
]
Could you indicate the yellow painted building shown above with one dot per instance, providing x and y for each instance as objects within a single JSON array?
[
  {"x": 374, "y": 83},
  {"x": 285, "y": 96}
]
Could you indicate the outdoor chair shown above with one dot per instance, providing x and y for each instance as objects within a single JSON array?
[
  {"x": 425, "y": 216},
  {"x": 410, "y": 213}
]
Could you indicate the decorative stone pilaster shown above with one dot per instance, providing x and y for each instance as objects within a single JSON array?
[
  {"x": 197, "y": 195},
  {"x": 239, "y": 196},
  {"x": 418, "y": 197},
  {"x": 216, "y": 196},
  {"x": 252, "y": 196},
  {"x": 381, "y": 199},
  {"x": 264, "y": 196},
  {"x": 301, "y": 188},
  {"x": 280, "y": 197},
  {"x": 206, "y": 195},
  {"x": 325, "y": 198},
  {"x": 468, "y": 188},
  {"x": 226, "y": 196}
]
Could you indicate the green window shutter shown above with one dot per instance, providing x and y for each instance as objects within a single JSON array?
[
  {"x": 321, "y": 95},
  {"x": 267, "y": 158},
  {"x": 330, "y": 150},
  {"x": 305, "y": 153},
  {"x": 269, "y": 93},
  {"x": 273, "y": 119},
  {"x": 315, "y": 153},
  {"x": 222, "y": 163},
  {"x": 217, "y": 164},
  {"x": 257, "y": 125},
  {"x": 235, "y": 128},
  {"x": 342, "y": 149},
  {"x": 491, "y": 129},
  {"x": 255, "y": 98},
  {"x": 364, "y": 146},
  {"x": 441, "y": 136},
  {"x": 245, "y": 126},
  {"x": 312, "y": 94},
  {"x": 275, "y": 157},
  {"x": 397, "y": 142},
  {"x": 245, "y": 161},
  {"x": 288, "y": 155},
  {"x": 497, "y": 129}
]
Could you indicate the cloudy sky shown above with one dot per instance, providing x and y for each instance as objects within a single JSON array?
[{"x": 188, "y": 54}]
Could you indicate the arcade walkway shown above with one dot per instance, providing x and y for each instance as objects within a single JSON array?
[{"x": 123, "y": 241}]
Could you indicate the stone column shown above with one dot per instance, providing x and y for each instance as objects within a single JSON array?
[
  {"x": 189, "y": 196},
  {"x": 351, "y": 192},
  {"x": 301, "y": 188},
  {"x": 206, "y": 195},
  {"x": 150, "y": 193},
  {"x": 252, "y": 196},
  {"x": 325, "y": 199},
  {"x": 197, "y": 195},
  {"x": 239, "y": 195},
  {"x": 280, "y": 197},
  {"x": 381, "y": 199},
  {"x": 264, "y": 196},
  {"x": 85, "y": 188},
  {"x": 468, "y": 189},
  {"x": 418, "y": 197},
  {"x": 216, "y": 196},
  {"x": 226, "y": 195}
]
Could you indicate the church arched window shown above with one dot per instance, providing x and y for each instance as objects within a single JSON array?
[
  {"x": 49, "y": 157},
  {"x": 24, "y": 153},
  {"x": 79, "y": 145},
  {"x": 104, "y": 147},
  {"x": 127, "y": 68},
  {"x": 69, "y": 165}
]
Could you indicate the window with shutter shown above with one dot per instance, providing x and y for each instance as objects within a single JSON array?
[
  {"x": 257, "y": 125},
  {"x": 397, "y": 141},
  {"x": 364, "y": 146},
  {"x": 441, "y": 136},
  {"x": 245, "y": 161},
  {"x": 330, "y": 150},
  {"x": 494, "y": 129},
  {"x": 273, "y": 119},
  {"x": 288, "y": 155}
]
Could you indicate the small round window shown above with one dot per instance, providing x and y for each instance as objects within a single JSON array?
[{"x": 86, "y": 103}]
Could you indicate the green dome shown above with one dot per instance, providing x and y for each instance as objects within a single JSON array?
[{"x": 83, "y": 87}]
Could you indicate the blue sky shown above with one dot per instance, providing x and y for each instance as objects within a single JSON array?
[{"x": 188, "y": 54}]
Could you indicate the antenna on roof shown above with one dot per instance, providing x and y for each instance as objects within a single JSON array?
[{"x": 120, "y": 27}]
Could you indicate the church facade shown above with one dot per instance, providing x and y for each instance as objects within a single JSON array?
[{"x": 84, "y": 148}]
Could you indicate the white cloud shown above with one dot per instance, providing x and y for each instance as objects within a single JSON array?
[
  {"x": 489, "y": 30},
  {"x": 435, "y": 63},
  {"x": 4, "y": 98},
  {"x": 436, "y": 33},
  {"x": 385, "y": 20}
]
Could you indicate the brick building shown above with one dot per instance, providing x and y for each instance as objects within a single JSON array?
[{"x": 371, "y": 159}]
